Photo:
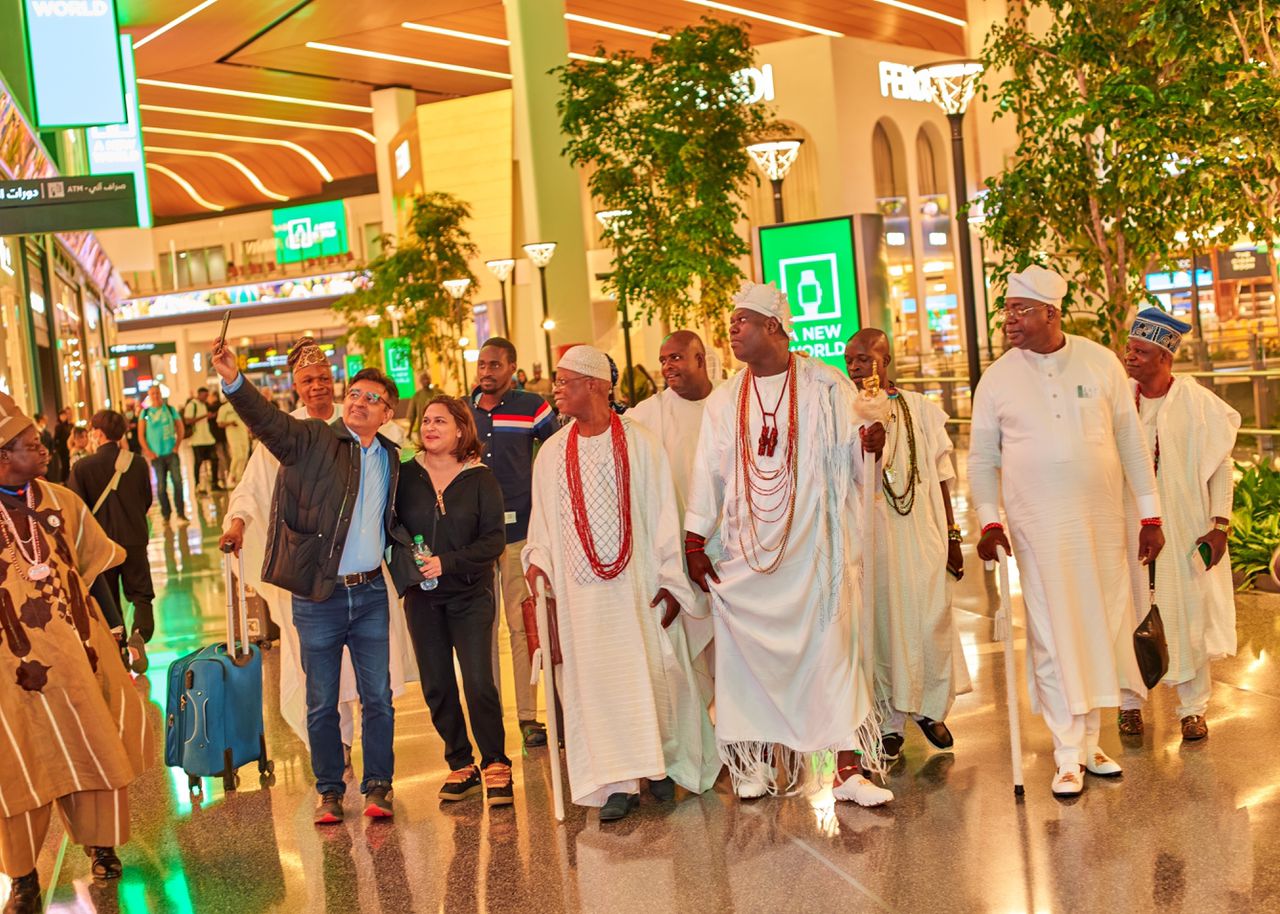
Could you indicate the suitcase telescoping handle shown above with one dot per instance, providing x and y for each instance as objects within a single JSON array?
[{"x": 236, "y": 581}]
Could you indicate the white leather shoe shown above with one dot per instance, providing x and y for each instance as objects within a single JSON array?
[
  {"x": 1068, "y": 782},
  {"x": 861, "y": 791},
  {"x": 754, "y": 785},
  {"x": 1100, "y": 764}
]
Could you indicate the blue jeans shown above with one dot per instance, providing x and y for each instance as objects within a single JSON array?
[
  {"x": 356, "y": 618},
  {"x": 168, "y": 466}
]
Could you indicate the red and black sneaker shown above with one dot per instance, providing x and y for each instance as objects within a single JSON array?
[
  {"x": 460, "y": 784},
  {"x": 497, "y": 785},
  {"x": 329, "y": 809},
  {"x": 378, "y": 802}
]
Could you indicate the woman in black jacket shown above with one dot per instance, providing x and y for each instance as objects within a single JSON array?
[{"x": 452, "y": 500}]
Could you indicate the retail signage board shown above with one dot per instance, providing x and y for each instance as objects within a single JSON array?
[
  {"x": 353, "y": 362},
  {"x": 139, "y": 349},
  {"x": 118, "y": 148},
  {"x": 813, "y": 263},
  {"x": 397, "y": 361},
  {"x": 1247, "y": 263},
  {"x": 42, "y": 205},
  {"x": 310, "y": 231},
  {"x": 73, "y": 55}
]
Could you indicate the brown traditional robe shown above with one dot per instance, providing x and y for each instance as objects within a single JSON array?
[{"x": 71, "y": 719}]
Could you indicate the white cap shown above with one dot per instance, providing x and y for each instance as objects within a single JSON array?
[
  {"x": 586, "y": 360},
  {"x": 1037, "y": 284},
  {"x": 766, "y": 299}
]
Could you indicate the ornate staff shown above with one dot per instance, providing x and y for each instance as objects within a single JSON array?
[
  {"x": 1004, "y": 632},
  {"x": 546, "y": 653}
]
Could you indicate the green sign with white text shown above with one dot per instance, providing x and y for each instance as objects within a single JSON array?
[
  {"x": 310, "y": 231},
  {"x": 813, "y": 263},
  {"x": 353, "y": 363},
  {"x": 397, "y": 361}
]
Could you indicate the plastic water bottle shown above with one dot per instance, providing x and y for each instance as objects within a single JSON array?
[{"x": 422, "y": 552}]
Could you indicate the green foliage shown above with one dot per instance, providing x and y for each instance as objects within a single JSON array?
[
  {"x": 664, "y": 136},
  {"x": 406, "y": 281},
  {"x": 1110, "y": 166},
  {"x": 1255, "y": 521}
]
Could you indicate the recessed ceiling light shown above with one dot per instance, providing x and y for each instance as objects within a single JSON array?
[
  {"x": 185, "y": 185},
  {"x": 922, "y": 11},
  {"x": 307, "y": 154},
  {"x": 454, "y": 33},
  {"x": 411, "y": 61},
  {"x": 222, "y": 157},
  {"x": 173, "y": 23},
  {"x": 616, "y": 26},
  {"x": 588, "y": 57},
  {"x": 262, "y": 96},
  {"x": 765, "y": 17},
  {"x": 254, "y": 119}
]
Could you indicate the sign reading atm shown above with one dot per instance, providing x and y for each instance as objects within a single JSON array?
[{"x": 311, "y": 231}]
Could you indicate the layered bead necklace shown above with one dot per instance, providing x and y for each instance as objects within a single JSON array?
[
  {"x": 768, "y": 493},
  {"x": 37, "y": 568},
  {"x": 905, "y": 500},
  {"x": 606, "y": 571}
]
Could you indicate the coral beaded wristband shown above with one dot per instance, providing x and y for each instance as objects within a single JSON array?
[
  {"x": 1152, "y": 522},
  {"x": 995, "y": 526}
]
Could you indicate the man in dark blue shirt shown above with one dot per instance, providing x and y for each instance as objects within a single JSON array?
[{"x": 510, "y": 421}]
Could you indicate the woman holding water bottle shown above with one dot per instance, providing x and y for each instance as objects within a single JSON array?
[{"x": 452, "y": 507}]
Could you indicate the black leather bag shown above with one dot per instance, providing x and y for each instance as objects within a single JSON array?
[{"x": 1149, "y": 644}]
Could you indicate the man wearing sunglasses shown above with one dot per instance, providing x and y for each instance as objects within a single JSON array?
[{"x": 334, "y": 516}]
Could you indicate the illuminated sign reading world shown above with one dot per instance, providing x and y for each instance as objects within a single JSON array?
[
  {"x": 73, "y": 50},
  {"x": 813, "y": 263}
]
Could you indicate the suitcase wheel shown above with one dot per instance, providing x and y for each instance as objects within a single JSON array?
[
  {"x": 266, "y": 766},
  {"x": 194, "y": 785},
  {"x": 263, "y": 645},
  {"x": 267, "y": 778},
  {"x": 230, "y": 782}
]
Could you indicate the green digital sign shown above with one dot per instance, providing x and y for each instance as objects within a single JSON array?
[
  {"x": 118, "y": 147},
  {"x": 310, "y": 231},
  {"x": 813, "y": 263},
  {"x": 73, "y": 52},
  {"x": 397, "y": 360},
  {"x": 354, "y": 364}
]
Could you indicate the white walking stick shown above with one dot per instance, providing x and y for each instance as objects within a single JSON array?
[
  {"x": 1004, "y": 632},
  {"x": 549, "y": 678},
  {"x": 871, "y": 405}
]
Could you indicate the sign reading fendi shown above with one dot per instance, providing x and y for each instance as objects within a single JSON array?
[
  {"x": 813, "y": 263},
  {"x": 307, "y": 232},
  {"x": 73, "y": 51}
]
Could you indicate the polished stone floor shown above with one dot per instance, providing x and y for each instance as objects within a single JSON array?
[{"x": 1189, "y": 828}]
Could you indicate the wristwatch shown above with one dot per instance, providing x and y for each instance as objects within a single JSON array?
[{"x": 1222, "y": 525}]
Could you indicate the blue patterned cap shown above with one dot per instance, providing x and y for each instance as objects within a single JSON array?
[{"x": 1159, "y": 327}]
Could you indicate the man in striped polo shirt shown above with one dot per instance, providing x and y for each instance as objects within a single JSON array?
[{"x": 510, "y": 421}]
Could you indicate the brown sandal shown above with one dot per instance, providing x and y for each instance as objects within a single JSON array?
[{"x": 106, "y": 865}]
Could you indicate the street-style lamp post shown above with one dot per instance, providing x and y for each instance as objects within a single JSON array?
[
  {"x": 457, "y": 288},
  {"x": 608, "y": 218},
  {"x": 501, "y": 269},
  {"x": 775, "y": 159},
  {"x": 540, "y": 253},
  {"x": 953, "y": 83}
]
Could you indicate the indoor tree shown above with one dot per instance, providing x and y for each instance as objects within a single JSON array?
[
  {"x": 663, "y": 136},
  {"x": 1100, "y": 186},
  {"x": 404, "y": 292}
]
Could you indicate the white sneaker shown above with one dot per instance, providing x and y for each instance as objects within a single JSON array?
[
  {"x": 1068, "y": 782},
  {"x": 1102, "y": 765},
  {"x": 756, "y": 784},
  {"x": 863, "y": 792}
]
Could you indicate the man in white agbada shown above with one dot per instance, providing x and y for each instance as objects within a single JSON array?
[
  {"x": 604, "y": 534},
  {"x": 674, "y": 417},
  {"x": 1191, "y": 432},
  {"x": 1055, "y": 431},
  {"x": 775, "y": 475},
  {"x": 246, "y": 524},
  {"x": 920, "y": 667}
]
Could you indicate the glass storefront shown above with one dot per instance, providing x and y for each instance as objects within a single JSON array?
[
  {"x": 70, "y": 346},
  {"x": 15, "y": 351}
]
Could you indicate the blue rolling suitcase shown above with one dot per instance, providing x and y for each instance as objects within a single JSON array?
[{"x": 213, "y": 724}]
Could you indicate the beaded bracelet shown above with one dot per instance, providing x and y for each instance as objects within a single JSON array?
[
  {"x": 993, "y": 526},
  {"x": 1152, "y": 522}
]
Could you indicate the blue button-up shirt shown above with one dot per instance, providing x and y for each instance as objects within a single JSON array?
[{"x": 367, "y": 535}]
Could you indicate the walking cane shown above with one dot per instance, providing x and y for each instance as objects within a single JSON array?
[
  {"x": 1004, "y": 632},
  {"x": 870, "y": 477},
  {"x": 549, "y": 674}
]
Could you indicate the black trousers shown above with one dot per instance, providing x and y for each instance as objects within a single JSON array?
[
  {"x": 462, "y": 625},
  {"x": 205, "y": 453},
  {"x": 133, "y": 578}
]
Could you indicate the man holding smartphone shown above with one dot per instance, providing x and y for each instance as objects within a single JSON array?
[
  {"x": 1191, "y": 432},
  {"x": 919, "y": 666}
]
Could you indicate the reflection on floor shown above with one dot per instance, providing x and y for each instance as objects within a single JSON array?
[{"x": 1189, "y": 828}]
